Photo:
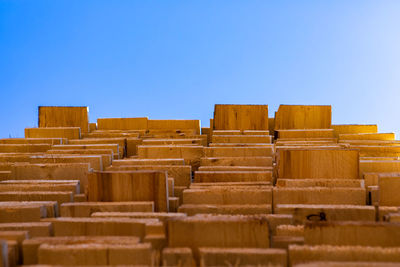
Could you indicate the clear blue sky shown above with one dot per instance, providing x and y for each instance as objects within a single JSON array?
[{"x": 176, "y": 59}]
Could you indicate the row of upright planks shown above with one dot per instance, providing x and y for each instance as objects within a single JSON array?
[{"x": 250, "y": 190}]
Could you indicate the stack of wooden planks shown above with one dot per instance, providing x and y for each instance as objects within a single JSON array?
[{"x": 250, "y": 190}]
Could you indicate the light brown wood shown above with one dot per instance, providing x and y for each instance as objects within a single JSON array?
[
  {"x": 236, "y": 161},
  {"x": 242, "y": 139},
  {"x": 85, "y": 209},
  {"x": 193, "y": 209},
  {"x": 232, "y": 176},
  {"x": 354, "y": 128},
  {"x": 318, "y": 163},
  {"x": 174, "y": 125},
  {"x": 24, "y": 148},
  {"x": 241, "y": 117},
  {"x": 303, "y": 117},
  {"x": 122, "y": 123},
  {"x": 130, "y": 186},
  {"x": 367, "y": 136},
  {"x": 389, "y": 191},
  {"x": 306, "y": 133},
  {"x": 53, "y": 132},
  {"x": 266, "y": 151},
  {"x": 51, "y": 141},
  {"x": 320, "y": 183},
  {"x": 50, "y": 116}
]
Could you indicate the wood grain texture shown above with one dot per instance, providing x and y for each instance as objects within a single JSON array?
[
  {"x": 241, "y": 117},
  {"x": 53, "y": 132},
  {"x": 303, "y": 117},
  {"x": 130, "y": 186},
  {"x": 318, "y": 163},
  {"x": 122, "y": 123},
  {"x": 64, "y": 117}
]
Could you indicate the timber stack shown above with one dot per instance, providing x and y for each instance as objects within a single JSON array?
[{"x": 250, "y": 190}]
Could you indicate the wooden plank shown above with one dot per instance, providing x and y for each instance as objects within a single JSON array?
[
  {"x": 267, "y": 151},
  {"x": 354, "y": 128},
  {"x": 246, "y": 256},
  {"x": 320, "y": 183},
  {"x": 303, "y": 117},
  {"x": 85, "y": 209},
  {"x": 52, "y": 171},
  {"x": 53, "y": 132},
  {"x": 51, "y": 141},
  {"x": 100, "y": 141},
  {"x": 59, "y": 196},
  {"x": 379, "y": 166},
  {"x": 342, "y": 255},
  {"x": 378, "y": 151},
  {"x": 35, "y": 229},
  {"x": 130, "y": 186},
  {"x": 171, "y": 141},
  {"x": 131, "y": 146},
  {"x": 389, "y": 191},
  {"x": 177, "y": 257},
  {"x": 230, "y": 184},
  {"x": 106, "y": 154},
  {"x": 122, "y": 123},
  {"x": 232, "y": 176},
  {"x": 367, "y": 136},
  {"x": 353, "y": 233},
  {"x": 148, "y": 162},
  {"x": 228, "y": 196},
  {"x": 218, "y": 230},
  {"x": 306, "y": 212},
  {"x": 318, "y": 163},
  {"x": 191, "y": 154},
  {"x": 21, "y": 212},
  {"x": 306, "y": 133},
  {"x": 242, "y": 139},
  {"x": 182, "y": 174},
  {"x": 319, "y": 195},
  {"x": 96, "y": 254},
  {"x": 24, "y": 148},
  {"x": 236, "y": 161},
  {"x": 31, "y": 246},
  {"x": 50, "y": 116},
  {"x": 193, "y": 209},
  {"x": 174, "y": 125},
  {"x": 235, "y": 168},
  {"x": 114, "y": 147},
  {"x": 241, "y": 117}
]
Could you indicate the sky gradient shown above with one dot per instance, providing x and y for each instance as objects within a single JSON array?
[{"x": 176, "y": 59}]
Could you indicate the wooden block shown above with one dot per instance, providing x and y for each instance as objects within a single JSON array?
[
  {"x": 92, "y": 126},
  {"x": 236, "y": 161},
  {"x": 139, "y": 254},
  {"x": 367, "y": 136},
  {"x": 95, "y": 161},
  {"x": 122, "y": 124},
  {"x": 106, "y": 154},
  {"x": 306, "y": 133},
  {"x": 306, "y": 212},
  {"x": 67, "y": 226},
  {"x": 318, "y": 163},
  {"x": 235, "y": 168},
  {"x": 172, "y": 141},
  {"x": 193, "y": 209},
  {"x": 178, "y": 192},
  {"x": 35, "y": 229},
  {"x": 50, "y": 206},
  {"x": 290, "y": 230},
  {"x": 52, "y": 171},
  {"x": 102, "y": 141},
  {"x": 239, "y": 151},
  {"x": 256, "y": 132},
  {"x": 182, "y": 174},
  {"x": 24, "y": 148},
  {"x": 60, "y": 197},
  {"x": 271, "y": 125},
  {"x": 319, "y": 195},
  {"x": 53, "y": 132},
  {"x": 177, "y": 257},
  {"x": 320, "y": 183},
  {"x": 389, "y": 191},
  {"x": 171, "y": 187},
  {"x": 14, "y": 241},
  {"x": 232, "y": 185},
  {"x": 130, "y": 186},
  {"x": 51, "y": 141},
  {"x": 353, "y": 233},
  {"x": 241, "y": 117},
  {"x": 303, "y": 117},
  {"x": 283, "y": 242},
  {"x": 354, "y": 128},
  {"x": 227, "y": 196},
  {"x": 388, "y": 214},
  {"x": 131, "y": 146},
  {"x": 162, "y": 216},
  {"x": 173, "y": 204},
  {"x": 148, "y": 162},
  {"x": 191, "y": 154},
  {"x": 218, "y": 230},
  {"x": 379, "y": 166},
  {"x": 114, "y": 147},
  {"x": 64, "y": 117},
  {"x": 31, "y": 246},
  {"x": 40, "y": 187},
  {"x": 377, "y": 150},
  {"x": 227, "y": 132},
  {"x": 80, "y": 198},
  {"x": 174, "y": 125},
  {"x": 5, "y": 175},
  {"x": 22, "y": 212},
  {"x": 242, "y": 139},
  {"x": 245, "y": 256},
  {"x": 346, "y": 264},
  {"x": 232, "y": 176},
  {"x": 341, "y": 254},
  {"x": 85, "y": 209}
]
